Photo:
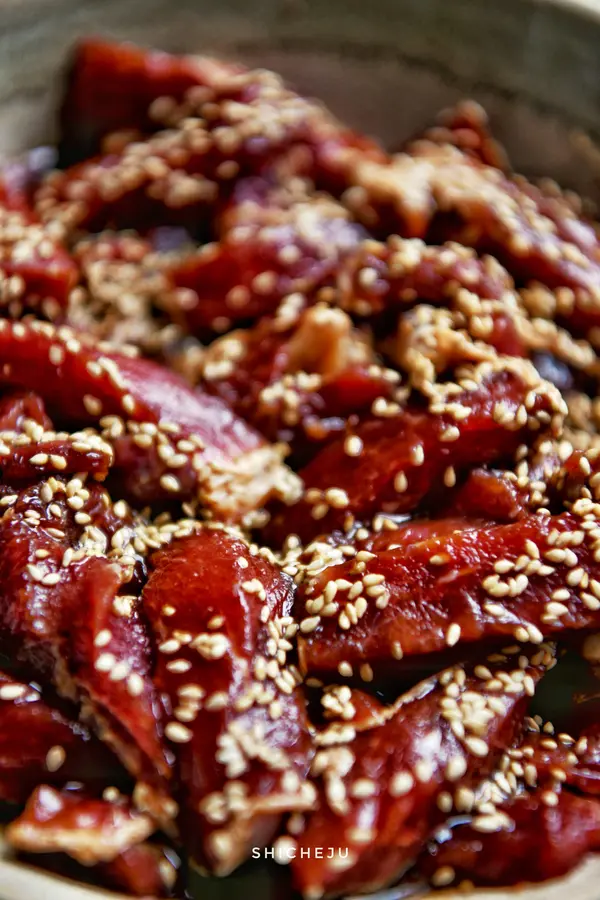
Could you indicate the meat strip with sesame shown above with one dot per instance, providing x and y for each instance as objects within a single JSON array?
[
  {"x": 548, "y": 829},
  {"x": 115, "y": 88},
  {"x": 88, "y": 829},
  {"x": 542, "y": 842},
  {"x": 275, "y": 241},
  {"x": 180, "y": 443},
  {"x": 59, "y": 618},
  {"x": 484, "y": 417},
  {"x": 221, "y": 619},
  {"x": 386, "y": 783},
  {"x": 39, "y": 742},
  {"x": 526, "y": 580},
  {"x": 36, "y": 272},
  {"x": 300, "y": 381}
]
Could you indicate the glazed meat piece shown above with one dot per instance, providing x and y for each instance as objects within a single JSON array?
[
  {"x": 36, "y": 272},
  {"x": 62, "y": 616},
  {"x": 398, "y": 273},
  {"x": 222, "y": 624},
  {"x": 539, "y": 840},
  {"x": 25, "y": 458},
  {"x": 466, "y": 125},
  {"x": 179, "y": 172},
  {"x": 523, "y": 581},
  {"x": 494, "y": 496},
  {"x": 275, "y": 241},
  {"x": 40, "y": 743},
  {"x": 548, "y": 760},
  {"x": 18, "y": 406},
  {"x": 443, "y": 194},
  {"x": 144, "y": 870},
  {"x": 403, "y": 453},
  {"x": 112, "y": 87},
  {"x": 542, "y": 841},
  {"x": 387, "y": 782},
  {"x": 301, "y": 380},
  {"x": 232, "y": 122},
  {"x": 187, "y": 444},
  {"x": 30, "y": 447},
  {"x": 88, "y": 829}
]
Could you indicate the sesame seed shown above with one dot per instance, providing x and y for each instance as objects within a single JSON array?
[
  {"x": 424, "y": 770},
  {"x": 456, "y": 768},
  {"x": 310, "y": 624},
  {"x": 105, "y": 662},
  {"x": 92, "y": 404},
  {"x": 178, "y": 733},
  {"x": 56, "y": 354},
  {"x": 443, "y": 876},
  {"x": 103, "y": 638},
  {"x": 397, "y": 651},
  {"x": 438, "y": 559},
  {"x": 13, "y": 691},
  {"x": 363, "y": 787},
  {"x": 401, "y": 784},
  {"x": 135, "y": 684},
  {"x": 179, "y": 665},
  {"x": 477, "y": 746},
  {"x": 353, "y": 445},
  {"x": 170, "y": 483},
  {"x": 55, "y": 758},
  {"x": 445, "y": 802},
  {"x": 40, "y": 459},
  {"x": 453, "y": 634},
  {"x": 400, "y": 483},
  {"x": 488, "y": 824},
  {"x": 366, "y": 672}
]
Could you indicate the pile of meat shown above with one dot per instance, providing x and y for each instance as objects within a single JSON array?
[{"x": 299, "y": 493}]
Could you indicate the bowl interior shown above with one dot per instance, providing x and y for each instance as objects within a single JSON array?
[{"x": 387, "y": 66}]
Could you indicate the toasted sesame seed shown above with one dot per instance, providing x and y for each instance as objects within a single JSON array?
[
  {"x": 170, "y": 483},
  {"x": 400, "y": 483},
  {"x": 178, "y": 733},
  {"x": 477, "y": 746},
  {"x": 456, "y": 768},
  {"x": 13, "y": 691},
  {"x": 103, "y": 638},
  {"x": 353, "y": 445},
  {"x": 55, "y": 758},
  {"x": 443, "y": 876},
  {"x": 453, "y": 634},
  {"x": 135, "y": 684},
  {"x": 179, "y": 665},
  {"x": 401, "y": 784}
]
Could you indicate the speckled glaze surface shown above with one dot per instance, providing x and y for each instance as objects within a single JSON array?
[{"x": 386, "y": 66}]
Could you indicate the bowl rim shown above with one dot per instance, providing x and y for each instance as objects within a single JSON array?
[{"x": 589, "y": 8}]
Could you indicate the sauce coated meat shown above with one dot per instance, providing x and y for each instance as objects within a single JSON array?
[{"x": 299, "y": 494}]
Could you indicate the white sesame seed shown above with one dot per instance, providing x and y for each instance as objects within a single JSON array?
[
  {"x": 13, "y": 691},
  {"x": 353, "y": 445},
  {"x": 179, "y": 665},
  {"x": 477, "y": 746},
  {"x": 443, "y": 876},
  {"x": 55, "y": 758},
  {"x": 178, "y": 733},
  {"x": 453, "y": 634},
  {"x": 401, "y": 784}
]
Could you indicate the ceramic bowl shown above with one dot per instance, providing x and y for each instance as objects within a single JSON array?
[{"x": 386, "y": 66}]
